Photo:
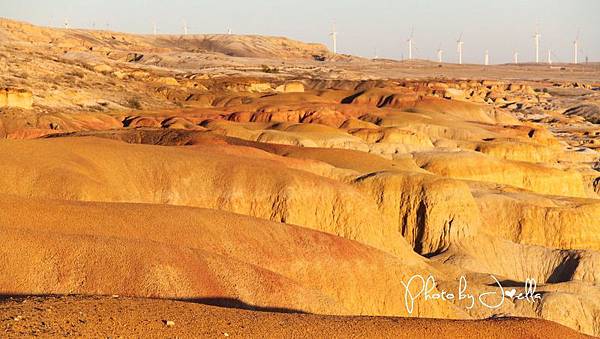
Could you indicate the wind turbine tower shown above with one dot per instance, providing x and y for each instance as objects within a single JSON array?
[
  {"x": 154, "y": 28},
  {"x": 516, "y": 57},
  {"x": 576, "y": 49},
  {"x": 459, "y": 48},
  {"x": 229, "y": 31},
  {"x": 185, "y": 27},
  {"x": 66, "y": 24},
  {"x": 549, "y": 57},
  {"x": 333, "y": 35},
  {"x": 486, "y": 59},
  {"x": 440, "y": 54},
  {"x": 410, "y": 44},
  {"x": 536, "y": 38}
]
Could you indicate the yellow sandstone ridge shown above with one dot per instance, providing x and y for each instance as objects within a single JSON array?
[{"x": 15, "y": 97}]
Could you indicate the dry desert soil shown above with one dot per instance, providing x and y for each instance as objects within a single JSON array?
[{"x": 114, "y": 317}]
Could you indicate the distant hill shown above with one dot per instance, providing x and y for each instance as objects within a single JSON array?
[
  {"x": 245, "y": 45},
  {"x": 252, "y": 46}
]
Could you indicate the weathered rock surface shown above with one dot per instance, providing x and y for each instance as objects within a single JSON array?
[
  {"x": 180, "y": 254},
  {"x": 15, "y": 97}
]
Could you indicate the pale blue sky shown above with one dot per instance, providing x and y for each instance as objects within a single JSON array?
[{"x": 363, "y": 25}]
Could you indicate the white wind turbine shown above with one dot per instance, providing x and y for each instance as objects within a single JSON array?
[
  {"x": 440, "y": 54},
  {"x": 459, "y": 48},
  {"x": 516, "y": 57},
  {"x": 333, "y": 36},
  {"x": 185, "y": 27},
  {"x": 536, "y": 39},
  {"x": 67, "y": 24},
  {"x": 486, "y": 58},
  {"x": 410, "y": 43},
  {"x": 576, "y": 49},
  {"x": 549, "y": 56},
  {"x": 154, "y": 28}
]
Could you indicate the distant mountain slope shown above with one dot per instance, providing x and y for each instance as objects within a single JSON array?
[
  {"x": 233, "y": 45},
  {"x": 246, "y": 45}
]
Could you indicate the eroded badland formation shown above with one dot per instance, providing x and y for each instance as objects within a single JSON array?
[{"x": 268, "y": 174}]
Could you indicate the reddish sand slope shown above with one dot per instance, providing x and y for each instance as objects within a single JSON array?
[{"x": 115, "y": 317}]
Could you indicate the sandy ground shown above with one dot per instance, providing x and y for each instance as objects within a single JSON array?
[{"x": 121, "y": 317}]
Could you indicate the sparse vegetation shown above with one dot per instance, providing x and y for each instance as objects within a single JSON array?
[
  {"x": 76, "y": 73},
  {"x": 268, "y": 69},
  {"x": 134, "y": 103}
]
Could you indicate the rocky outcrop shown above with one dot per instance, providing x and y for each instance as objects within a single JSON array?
[
  {"x": 117, "y": 172},
  {"x": 291, "y": 87},
  {"x": 188, "y": 253},
  {"x": 430, "y": 212},
  {"x": 589, "y": 112},
  {"x": 527, "y": 218},
  {"x": 476, "y": 166},
  {"x": 15, "y": 97}
]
